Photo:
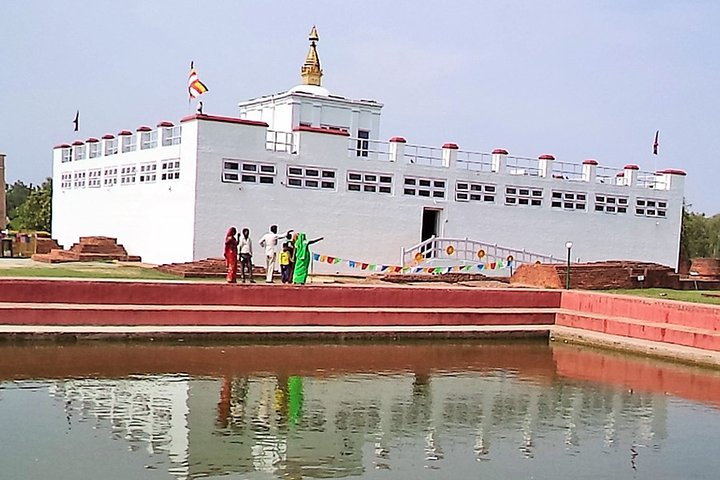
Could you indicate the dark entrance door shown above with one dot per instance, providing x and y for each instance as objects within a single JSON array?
[{"x": 430, "y": 227}]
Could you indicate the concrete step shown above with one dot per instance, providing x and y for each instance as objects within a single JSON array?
[
  {"x": 640, "y": 329},
  {"x": 227, "y": 315},
  {"x": 275, "y": 295}
]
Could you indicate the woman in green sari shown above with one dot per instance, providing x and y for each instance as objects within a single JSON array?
[{"x": 303, "y": 257}]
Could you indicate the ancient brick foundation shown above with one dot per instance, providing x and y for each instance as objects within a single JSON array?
[
  {"x": 598, "y": 275},
  {"x": 88, "y": 249}
]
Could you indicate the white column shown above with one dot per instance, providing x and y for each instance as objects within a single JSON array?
[
  {"x": 672, "y": 179},
  {"x": 499, "y": 160},
  {"x": 397, "y": 149},
  {"x": 630, "y": 174},
  {"x": 449, "y": 154},
  {"x": 545, "y": 165},
  {"x": 589, "y": 170}
]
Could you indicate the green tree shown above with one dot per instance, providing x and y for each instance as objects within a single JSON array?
[
  {"x": 700, "y": 235},
  {"x": 36, "y": 211},
  {"x": 15, "y": 195}
]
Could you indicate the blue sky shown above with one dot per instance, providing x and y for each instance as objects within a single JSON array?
[{"x": 575, "y": 78}]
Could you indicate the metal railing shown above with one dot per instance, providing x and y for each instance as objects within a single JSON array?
[{"x": 463, "y": 251}]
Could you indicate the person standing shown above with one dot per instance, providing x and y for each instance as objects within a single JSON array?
[
  {"x": 231, "y": 255},
  {"x": 269, "y": 243},
  {"x": 285, "y": 263},
  {"x": 245, "y": 248},
  {"x": 303, "y": 257}
]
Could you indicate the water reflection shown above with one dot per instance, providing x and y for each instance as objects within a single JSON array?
[{"x": 328, "y": 411}]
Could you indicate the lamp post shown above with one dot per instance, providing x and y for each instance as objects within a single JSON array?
[{"x": 568, "y": 245}]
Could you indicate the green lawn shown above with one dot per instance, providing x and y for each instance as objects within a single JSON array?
[
  {"x": 695, "y": 296},
  {"x": 82, "y": 270}
]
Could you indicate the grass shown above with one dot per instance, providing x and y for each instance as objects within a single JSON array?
[
  {"x": 84, "y": 270},
  {"x": 693, "y": 296}
]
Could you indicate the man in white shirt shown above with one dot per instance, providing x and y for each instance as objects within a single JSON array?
[
  {"x": 245, "y": 251},
  {"x": 269, "y": 243}
]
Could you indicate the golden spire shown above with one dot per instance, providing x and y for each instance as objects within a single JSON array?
[{"x": 311, "y": 72}]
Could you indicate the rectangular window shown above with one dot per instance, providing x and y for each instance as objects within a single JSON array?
[
  {"x": 128, "y": 143},
  {"x": 471, "y": 191},
  {"x": 148, "y": 172},
  {"x": 650, "y": 207},
  {"x": 569, "y": 200},
  {"x": 79, "y": 152},
  {"x": 93, "y": 149},
  {"x": 611, "y": 203},
  {"x": 79, "y": 179},
  {"x": 170, "y": 169},
  {"x": 363, "y": 143},
  {"x": 171, "y": 135},
  {"x": 111, "y": 146},
  {"x": 148, "y": 140},
  {"x": 369, "y": 182},
  {"x": 127, "y": 175},
  {"x": 529, "y": 196},
  {"x": 66, "y": 155},
  {"x": 93, "y": 180},
  {"x": 66, "y": 181},
  {"x": 110, "y": 176},
  {"x": 240, "y": 171},
  {"x": 424, "y": 187},
  {"x": 311, "y": 177}
]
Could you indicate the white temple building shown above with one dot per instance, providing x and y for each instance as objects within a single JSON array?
[{"x": 309, "y": 160}]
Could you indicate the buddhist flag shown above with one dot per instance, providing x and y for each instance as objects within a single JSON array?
[
  {"x": 195, "y": 86},
  {"x": 656, "y": 142}
]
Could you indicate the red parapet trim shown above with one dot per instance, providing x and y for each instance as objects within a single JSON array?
[
  {"x": 77, "y": 143},
  {"x": 546, "y": 157},
  {"x": 125, "y": 132},
  {"x": 217, "y": 118},
  {"x": 62, "y": 145},
  {"x": 451, "y": 146},
  {"x": 144, "y": 128},
  {"x": 631, "y": 166},
  {"x": 331, "y": 131},
  {"x": 398, "y": 140},
  {"x": 165, "y": 124},
  {"x": 672, "y": 171},
  {"x": 108, "y": 136},
  {"x": 500, "y": 151},
  {"x": 620, "y": 174},
  {"x": 590, "y": 161},
  {"x": 92, "y": 140}
]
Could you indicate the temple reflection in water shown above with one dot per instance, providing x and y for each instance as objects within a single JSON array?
[{"x": 336, "y": 423}]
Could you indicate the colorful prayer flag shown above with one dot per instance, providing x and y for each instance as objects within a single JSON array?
[{"x": 195, "y": 86}]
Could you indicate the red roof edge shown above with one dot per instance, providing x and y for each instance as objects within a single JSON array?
[
  {"x": 673, "y": 171},
  {"x": 398, "y": 140},
  {"x": 500, "y": 151},
  {"x": 330, "y": 131}
]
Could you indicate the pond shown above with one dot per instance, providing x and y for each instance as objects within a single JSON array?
[{"x": 441, "y": 409}]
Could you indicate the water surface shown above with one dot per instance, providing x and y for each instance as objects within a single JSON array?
[{"x": 375, "y": 411}]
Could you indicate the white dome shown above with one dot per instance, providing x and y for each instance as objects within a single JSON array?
[{"x": 311, "y": 89}]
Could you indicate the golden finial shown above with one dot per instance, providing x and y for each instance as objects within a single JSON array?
[{"x": 311, "y": 72}]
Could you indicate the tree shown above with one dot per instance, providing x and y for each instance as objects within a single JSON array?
[
  {"x": 36, "y": 211},
  {"x": 15, "y": 195},
  {"x": 700, "y": 235}
]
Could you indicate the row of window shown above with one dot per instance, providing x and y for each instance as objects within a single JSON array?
[
  {"x": 124, "y": 144},
  {"x": 237, "y": 171},
  {"x": 127, "y": 175}
]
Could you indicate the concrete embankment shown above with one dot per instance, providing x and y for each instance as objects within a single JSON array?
[{"x": 98, "y": 309}]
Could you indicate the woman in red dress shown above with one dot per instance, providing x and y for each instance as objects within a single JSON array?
[{"x": 231, "y": 255}]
